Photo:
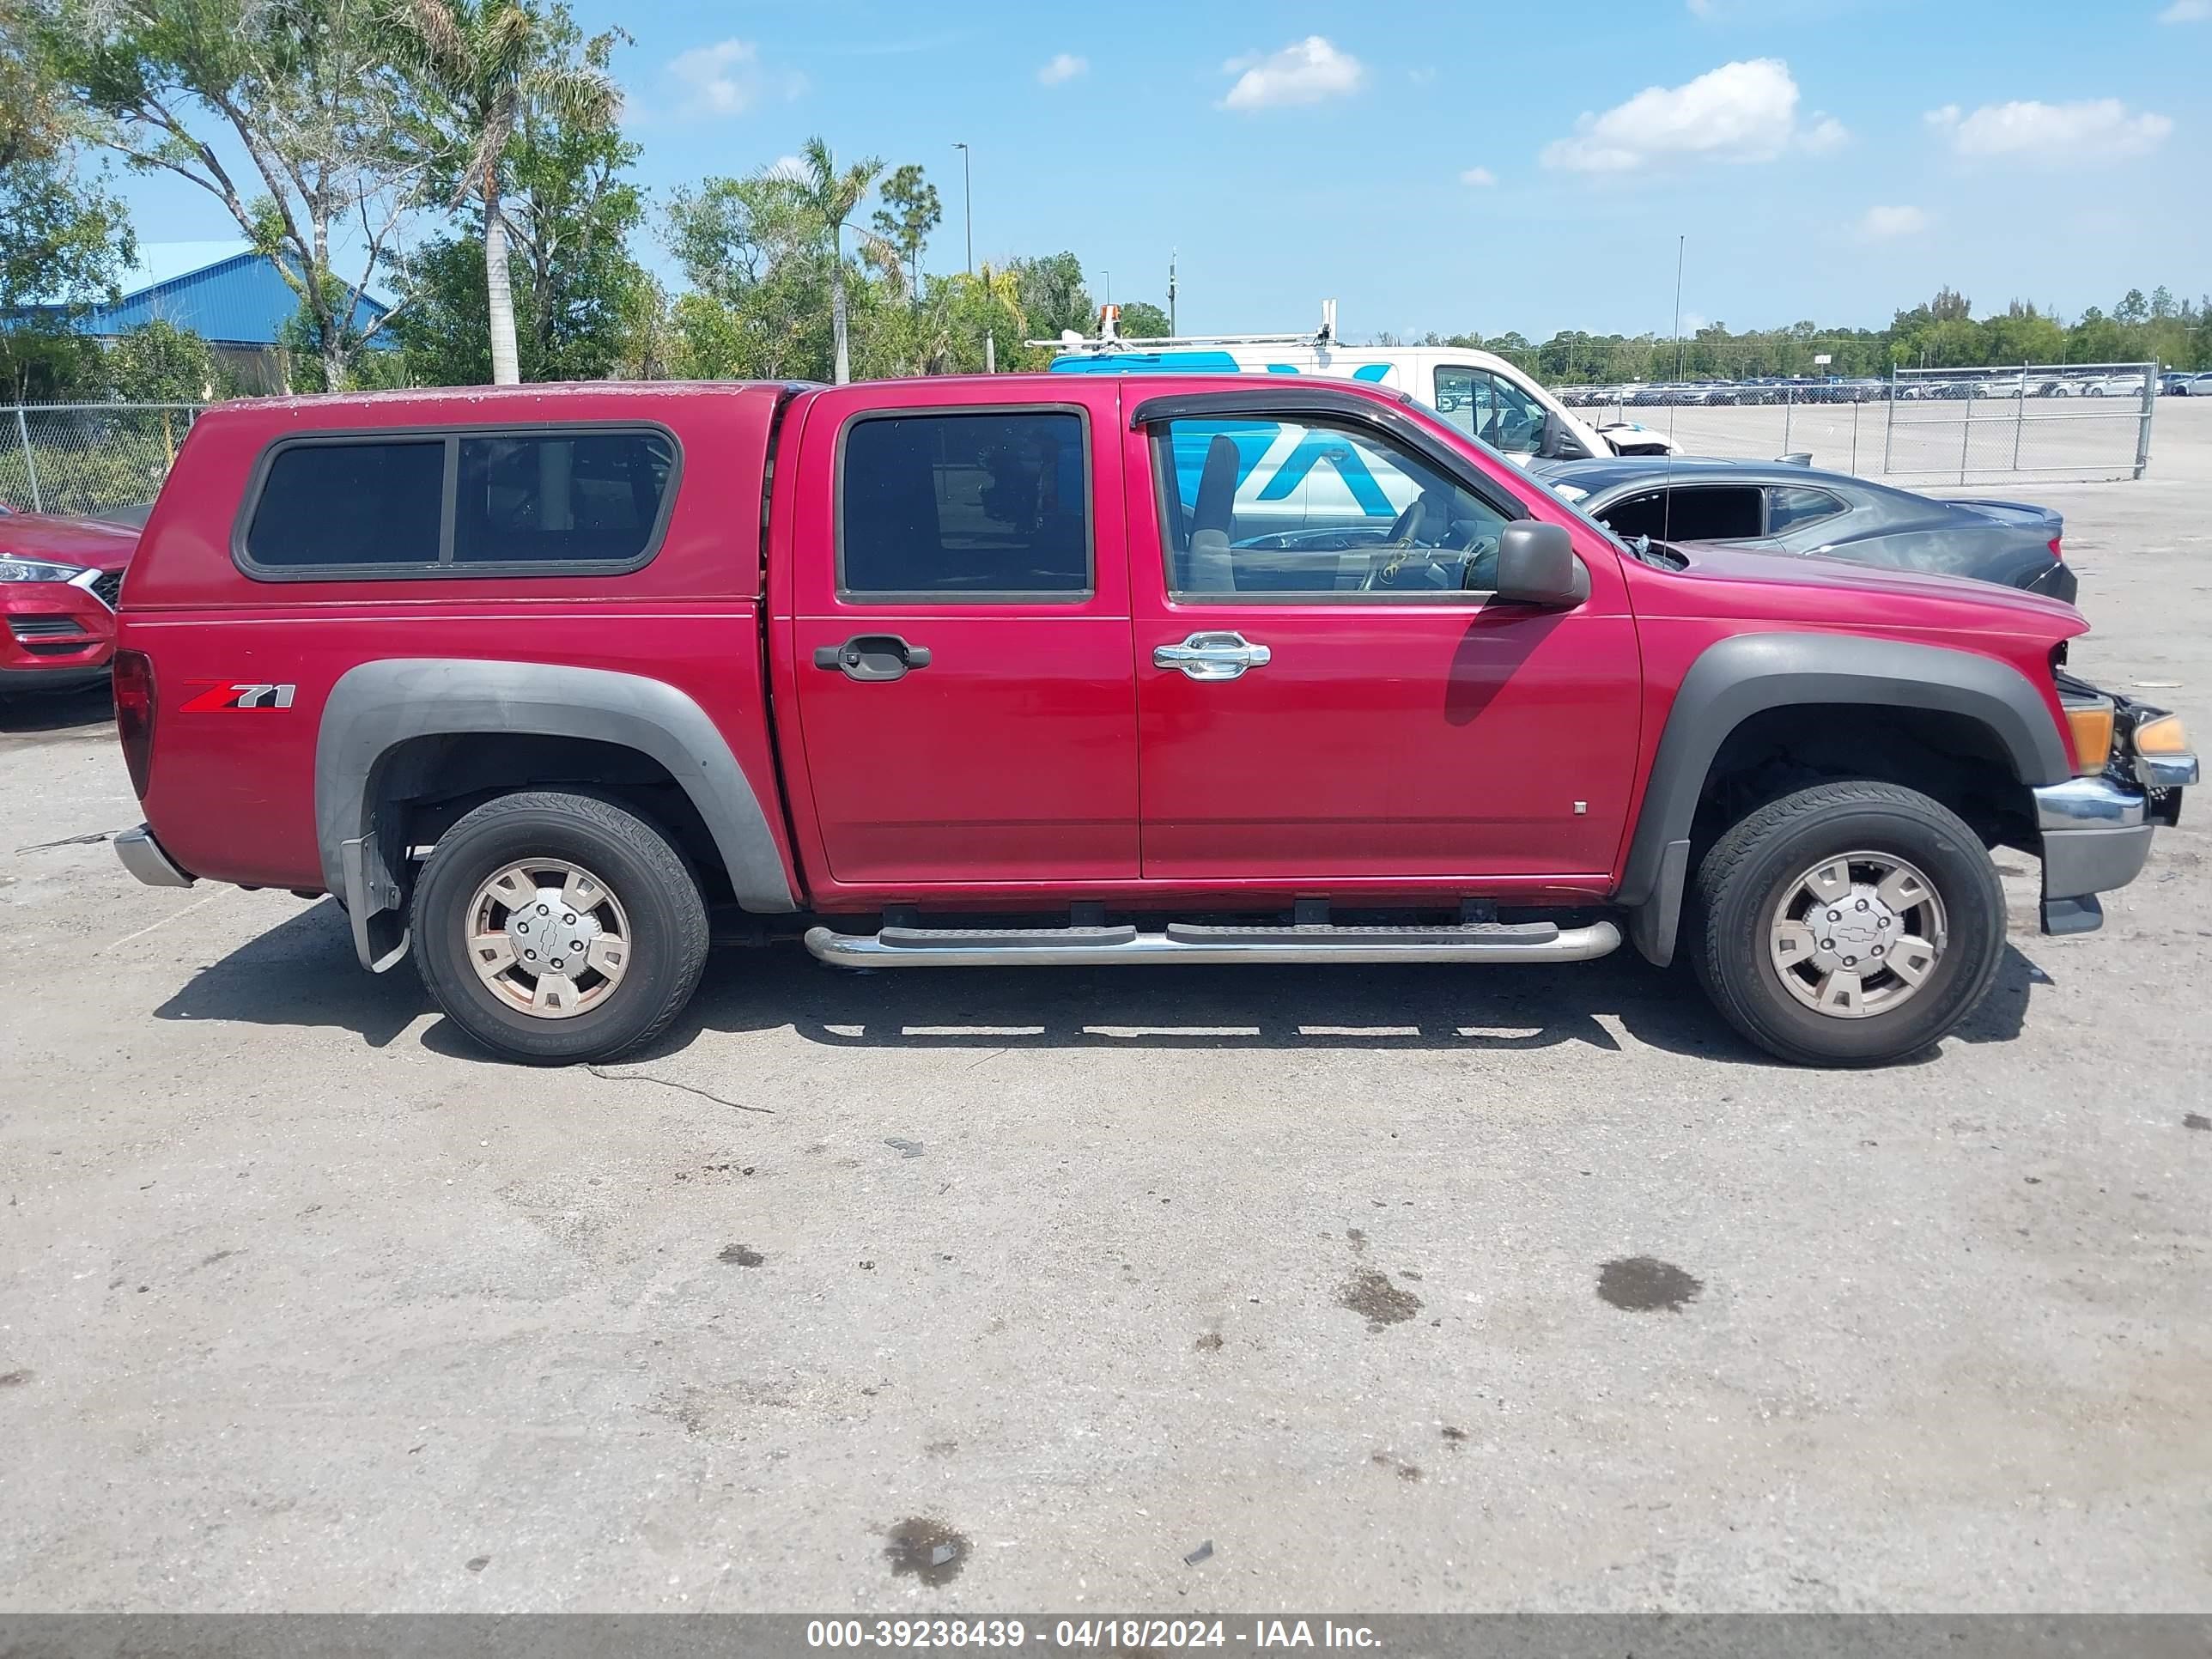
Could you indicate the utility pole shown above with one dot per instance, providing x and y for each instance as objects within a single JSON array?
[
  {"x": 1681, "y": 247},
  {"x": 1171, "y": 314},
  {"x": 968, "y": 205}
]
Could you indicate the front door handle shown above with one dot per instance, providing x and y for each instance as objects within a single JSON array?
[
  {"x": 1212, "y": 656},
  {"x": 872, "y": 657}
]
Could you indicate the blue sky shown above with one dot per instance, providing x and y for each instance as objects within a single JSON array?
[{"x": 1476, "y": 165}]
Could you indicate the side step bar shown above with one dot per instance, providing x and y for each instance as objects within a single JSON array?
[{"x": 1069, "y": 947}]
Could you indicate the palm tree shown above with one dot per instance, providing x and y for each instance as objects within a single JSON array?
[
  {"x": 482, "y": 63},
  {"x": 829, "y": 197}
]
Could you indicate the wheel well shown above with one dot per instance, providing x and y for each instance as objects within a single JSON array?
[
  {"x": 427, "y": 784},
  {"x": 1952, "y": 758}
]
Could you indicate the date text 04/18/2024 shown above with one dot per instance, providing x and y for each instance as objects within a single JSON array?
[{"x": 1262, "y": 1635}]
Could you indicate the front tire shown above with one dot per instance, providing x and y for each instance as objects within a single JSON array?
[
  {"x": 1848, "y": 924},
  {"x": 557, "y": 928}
]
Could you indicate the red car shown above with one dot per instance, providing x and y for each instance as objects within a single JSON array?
[
  {"x": 1041, "y": 671},
  {"x": 59, "y": 579}
]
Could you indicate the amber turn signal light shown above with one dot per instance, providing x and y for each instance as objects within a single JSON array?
[
  {"x": 2162, "y": 736},
  {"x": 2091, "y": 726}
]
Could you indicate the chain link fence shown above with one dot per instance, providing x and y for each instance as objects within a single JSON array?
[
  {"x": 1933, "y": 426},
  {"x": 1928, "y": 426},
  {"x": 84, "y": 459}
]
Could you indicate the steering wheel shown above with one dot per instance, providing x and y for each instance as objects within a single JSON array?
[{"x": 1466, "y": 559}]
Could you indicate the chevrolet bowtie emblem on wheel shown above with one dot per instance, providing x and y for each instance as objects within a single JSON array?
[{"x": 238, "y": 693}]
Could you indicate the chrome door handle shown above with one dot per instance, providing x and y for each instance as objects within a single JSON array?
[{"x": 1212, "y": 656}]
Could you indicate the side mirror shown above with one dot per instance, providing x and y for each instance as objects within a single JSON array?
[
  {"x": 1559, "y": 444},
  {"x": 1536, "y": 565}
]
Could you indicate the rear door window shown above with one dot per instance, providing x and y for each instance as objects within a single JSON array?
[
  {"x": 1793, "y": 507},
  {"x": 1689, "y": 513},
  {"x": 990, "y": 506}
]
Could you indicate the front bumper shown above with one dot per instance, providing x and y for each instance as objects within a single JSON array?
[
  {"x": 2096, "y": 833},
  {"x": 55, "y": 631}
]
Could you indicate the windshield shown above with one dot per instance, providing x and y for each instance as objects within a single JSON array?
[
  {"x": 1569, "y": 496},
  {"x": 1573, "y": 495}
]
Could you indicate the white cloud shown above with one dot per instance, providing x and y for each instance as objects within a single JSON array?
[
  {"x": 1305, "y": 72},
  {"x": 727, "y": 78},
  {"x": 2094, "y": 130},
  {"x": 1883, "y": 224},
  {"x": 1701, "y": 8},
  {"x": 1481, "y": 178},
  {"x": 1742, "y": 112},
  {"x": 1824, "y": 133},
  {"x": 2187, "y": 11},
  {"x": 784, "y": 166},
  {"x": 1065, "y": 67}
]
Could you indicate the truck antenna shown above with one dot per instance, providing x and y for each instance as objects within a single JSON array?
[{"x": 1667, "y": 489}]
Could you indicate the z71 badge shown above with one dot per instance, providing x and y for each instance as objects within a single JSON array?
[{"x": 239, "y": 694}]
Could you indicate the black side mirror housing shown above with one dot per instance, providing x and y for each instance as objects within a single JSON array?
[
  {"x": 1559, "y": 444},
  {"x": 1536, "y": 565}
]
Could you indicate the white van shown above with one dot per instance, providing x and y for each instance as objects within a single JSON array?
[{"x": 1483, "y": 395}]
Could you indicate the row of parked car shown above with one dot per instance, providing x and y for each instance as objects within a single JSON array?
[{"x": 1691, "y": 394}]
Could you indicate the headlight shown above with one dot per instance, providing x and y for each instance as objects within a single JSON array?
[
  {"x": 2089, "y": 721},
  {"x": 2162, "y": 735},
  {"x": 38, "y": 571}
]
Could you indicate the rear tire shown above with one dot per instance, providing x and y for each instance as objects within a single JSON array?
[
  {"x": 1847, "y": 925},
  {"x": 628, "y": 940}
]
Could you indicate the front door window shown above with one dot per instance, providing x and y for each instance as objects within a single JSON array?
[
  {"x": 1283, "y": 508},
  {"x": 1491, "y": 408}
]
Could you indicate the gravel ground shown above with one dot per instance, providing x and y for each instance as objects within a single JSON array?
[{"x": 1421, "y": 1289}]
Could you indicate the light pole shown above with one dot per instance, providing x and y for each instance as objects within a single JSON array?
[{"x": 968, "y": 205}]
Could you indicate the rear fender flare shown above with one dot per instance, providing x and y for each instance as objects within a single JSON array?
[
  {"x": 377, "y": 706},
  {"x": 1744, "y": 676}
]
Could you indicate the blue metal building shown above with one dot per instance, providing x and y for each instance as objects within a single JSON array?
[{"x": 224, "y": 292}]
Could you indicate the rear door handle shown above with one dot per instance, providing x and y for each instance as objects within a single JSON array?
[
  {"x": 1212, "y": 656},
  {"x": 872, "y": 657}
]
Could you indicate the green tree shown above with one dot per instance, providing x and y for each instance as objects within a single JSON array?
[
  {"x": 1053, "y": 299},
  {"x": 570, "y": 208},
  {"x": 306, "y": 91},
  {"x": 64, "y": 238},
  {"x": 1143, "y": 320},
  {"x": 828, "y": 198},
  {"x": 910, "y": 212},
  {"x": 158, "y": 362},
  {"x": 759, "y": 304},
  {"x": 486, "y": 67}
]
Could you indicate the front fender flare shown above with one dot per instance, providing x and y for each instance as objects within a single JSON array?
[
  {"x": 377, "y": 706},
  {"x": 1741, "y": 676}
]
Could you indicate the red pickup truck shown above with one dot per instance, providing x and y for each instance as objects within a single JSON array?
[{"x": 550, "y": 684}]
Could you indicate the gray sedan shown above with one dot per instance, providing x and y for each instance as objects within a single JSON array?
[{"x": 1774, "y": 507}]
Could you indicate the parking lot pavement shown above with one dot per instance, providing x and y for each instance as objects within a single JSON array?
[{"x": 1411, "y": 1289}]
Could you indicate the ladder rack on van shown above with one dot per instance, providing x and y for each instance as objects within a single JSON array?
[{"x": 1111, "y": 338}]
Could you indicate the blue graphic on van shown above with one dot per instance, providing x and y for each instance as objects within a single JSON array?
[
  {"x": 1188, "y": 362},
  {"x": 1148, "y": 362},
  {"x": 1190, "y": 441}
]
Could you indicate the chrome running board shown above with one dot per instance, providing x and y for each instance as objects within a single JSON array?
[{"x": 1071, "y": 947}]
